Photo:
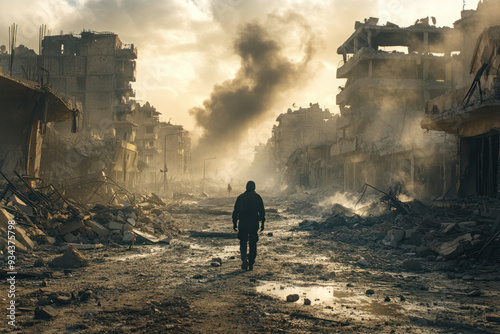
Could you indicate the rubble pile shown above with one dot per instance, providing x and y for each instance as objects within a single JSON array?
[
  {"x": 44, "y": 217},
  {"x": 438, "y": 231}
]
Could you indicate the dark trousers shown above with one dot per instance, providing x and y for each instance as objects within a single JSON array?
[{"x": 250, "y": 237}]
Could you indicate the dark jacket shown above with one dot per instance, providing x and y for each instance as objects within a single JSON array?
[{"x": 249, "y": 209}]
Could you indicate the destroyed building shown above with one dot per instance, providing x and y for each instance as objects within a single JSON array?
[
  {"x": 301, "y": 142},
  {"x": 471, "y": 108},
  {"x": 24, "y": 64},
  {"x": 390, "y": 73},
  {"x": 94, "y": 68},
  {"x": 27, "y": 109},
  {"x": 175, "y": 144}
]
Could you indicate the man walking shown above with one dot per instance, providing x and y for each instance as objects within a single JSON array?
[{"x": 249, "y": 210}]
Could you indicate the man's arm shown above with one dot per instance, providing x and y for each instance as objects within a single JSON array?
[
  {"x": 236, "y": 213},
  {"x": 262, "y": 213}
]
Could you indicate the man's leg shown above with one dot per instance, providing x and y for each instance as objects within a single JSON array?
[
  {"x": 243, "y": 249},
  {"x": 253, "y": 238}
]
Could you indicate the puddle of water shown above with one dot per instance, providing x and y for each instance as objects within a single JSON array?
[
  {"x": 384, "y": 309},
  {"x": 317, "y": 294},
  {"x": 123, "y": 258},
  {"x": 331, "y": 295}
]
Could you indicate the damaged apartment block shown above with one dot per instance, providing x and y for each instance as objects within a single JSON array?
[
  {"x": 471, "y": 109},
  {"x": 391, "y": 72}
]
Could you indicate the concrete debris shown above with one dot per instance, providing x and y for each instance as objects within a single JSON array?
[
  {"x": 62, "y": 300},
  {"x": 46, "y": 312},
  {"x": 429, "y": 232},
  {"x": 71, "y": 258},
  {"x": 59, "y": 221},
  {"x": 39, "y": 262},
  {"x": 85, "y": 295},
  {"x": 363, "y": 262}
]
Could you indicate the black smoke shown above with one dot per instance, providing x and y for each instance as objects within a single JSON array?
[{"x": 265, "y": 72}]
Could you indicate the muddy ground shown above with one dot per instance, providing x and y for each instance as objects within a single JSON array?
[{"x": 176, "y": 288}]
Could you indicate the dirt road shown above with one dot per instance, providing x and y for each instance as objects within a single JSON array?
[{"x": 179, "y": 288}]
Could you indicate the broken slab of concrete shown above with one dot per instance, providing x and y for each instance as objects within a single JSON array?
[
  {"x": 46, "y": 312},
  {"x": 23, "y": 237},
  {"x": 452, "y": 249},
  {"x": 69, "y": 227},
  {"x": 5, "y": 217},
  {"x": 115, "y": 226},
  {"x": 21, "y": 205},
  {"x": 70, "y": 237},
  {"x": 82, "y": 246},
  {"x": 143, "y": 237},
  {"x": 71, "y": 258},
  {"x": 97, "y": 228}
]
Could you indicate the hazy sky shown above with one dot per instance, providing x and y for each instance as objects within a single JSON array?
[{"x": 187, "y": 46}]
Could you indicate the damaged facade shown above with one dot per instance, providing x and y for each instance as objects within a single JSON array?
[
  {"x": 27, "y": 109},
  {"x": 391, "y": 72},
  {"x": 94, "y": 71},
  {"x": 94, "y": 68},
  {"x": 300, "y": 147},
  {"x": 471, "y": 109}
]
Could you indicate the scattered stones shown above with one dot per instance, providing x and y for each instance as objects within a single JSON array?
[
  {"x": 86, "y": 295},
  {"x": 46, "y": 312},
  {"x": 474, "y": 293},
  {"x": 62, "y": 300},
  {"x": 363, "y": 262},
  {"x": 198, "y": 276},
  {"x": 387, "y": 299},
  {"x": 402, "y": 299},
  {"x": 292, "y": 298},
  {"x": 370, "y": 292},
  {"x": 307, "y": 301},
  {"x": 215, "y": 264},
  {"x": 40, "y": 262}
]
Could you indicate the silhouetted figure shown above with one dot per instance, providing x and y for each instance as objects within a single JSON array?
[
  {"x": 229, "y": 189},
  {"x": 249, "y": 210}
]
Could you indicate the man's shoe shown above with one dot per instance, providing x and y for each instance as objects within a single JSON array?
[
  {"x": 244, "y": 265},
  {"x": 250, "y": 266}
]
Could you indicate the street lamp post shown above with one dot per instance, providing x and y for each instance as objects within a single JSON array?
[
  {"x": 165, "y": 169},
  {"x": 204, "y": 169}
]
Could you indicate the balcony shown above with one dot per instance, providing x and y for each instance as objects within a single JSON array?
[
  {"x": 449, "y": 113},
  {"x": 126, "y": 70},
  {"x": 128, "y": 51}
]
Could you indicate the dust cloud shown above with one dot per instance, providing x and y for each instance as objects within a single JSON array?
[{"x": 265, "y": 72}]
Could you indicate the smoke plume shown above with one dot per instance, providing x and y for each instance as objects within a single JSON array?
[{"x": 264, "y": 73}]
